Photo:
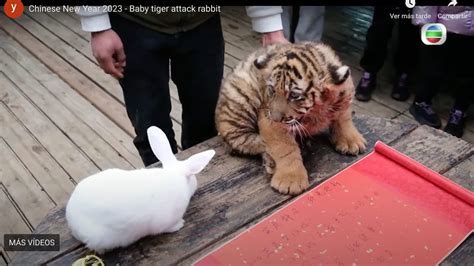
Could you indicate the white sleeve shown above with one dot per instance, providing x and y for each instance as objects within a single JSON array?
[
  {"x": 93, "y": 21},
  {"x": 265, "y": 18}
]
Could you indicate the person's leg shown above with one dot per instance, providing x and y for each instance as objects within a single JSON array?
[
  {"x": 461, "y": 82},
  {"x": 460, "y": 76},
  {"x": 432, "y": 70},
  {"x": 289, "y": 20},
  {"x": 197, "y": 69},
  {"x": 406, "y": 57},
  {"x": 375, "y": 52},
  {"x": 463, "y": 96},
  {"x": 145, "y": 83},
  {"x": 310, "y": 24},
  {"x": 377, "y": 38}
]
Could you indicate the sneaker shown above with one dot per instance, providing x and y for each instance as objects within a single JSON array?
[
  {"x": 400, "y": 91},
  {"x": 423, "y": 113},
  {"x": 456, "y": 122},
  {"x": 365, "y": 87}
]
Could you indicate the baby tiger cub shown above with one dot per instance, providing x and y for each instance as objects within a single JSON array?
[{"x": 281, "y": 92}]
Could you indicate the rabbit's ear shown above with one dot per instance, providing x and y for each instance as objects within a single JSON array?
[
  {"x": 160, "y": 145},
  {"x": 197, "y": 162}
]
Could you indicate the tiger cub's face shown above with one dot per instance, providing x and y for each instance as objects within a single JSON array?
[
  {"x": 291, "y": 93},
  {"x": 297, "y": 80}
]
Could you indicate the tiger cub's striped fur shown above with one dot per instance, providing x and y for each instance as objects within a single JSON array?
[{"x": 284, "y": 91}]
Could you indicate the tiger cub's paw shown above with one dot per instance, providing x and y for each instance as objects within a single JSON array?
[
  {"x": 290, "y": 181},
  {"x": 350, "y": 142}
]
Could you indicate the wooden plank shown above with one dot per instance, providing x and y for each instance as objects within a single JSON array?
[
  {"x": 240, "y": 40},
  {"x": 236, "y": 51},
  {"x": 58, "y": 145},
  {"x": 86, "y": 66},
  {"x": 468, "y": 136},
  {"x": 65, "y": 34},
  {"x": 71, "y": 23},
  {"x": 227, "y": 71},
  {"x": 56, "y": 182},
  {"x": 341, "y": 19},
  {"x": 176, "y": 108},
  {"x": 231, "y": 62},
  {"x": 103, "y": 101},
  {"x": 336, "y": 30},
  {"x": 88, "y": 141},
  {"x": 236, "y": 13},
  {"x": 224, "y": 200},
  {"x": 463, "y": 255},
  {"x": 68, "y": 243},
  {"x": 236, "y": 28},
  {"x": 74, "y": 16},
  {"x": 382, "y": 96},
  {"x": 248, "y": 44},
  {"x": 382, "y": 93},
  {"x": 374, "y": 108},
  {"x": 23, "y": 188},
  {"x": 102, "y": 125},
  {"x": 3, "y": 257},
  {"x": 435, "y": 148},
  {"x": 177, "y": 133},
  {"x": 11, "y": 222},
  {"x": 463, "y": 173}
]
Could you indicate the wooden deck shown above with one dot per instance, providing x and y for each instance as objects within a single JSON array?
[{"x": 62, "y": 118}]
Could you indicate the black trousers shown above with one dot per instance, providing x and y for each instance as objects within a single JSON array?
[
  {"x": 196, "y": 58},
  {"x": 451, "y": 62},
  {"x": 379, "y": 35}
]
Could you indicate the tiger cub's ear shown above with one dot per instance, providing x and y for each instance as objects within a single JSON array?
[
  {"x": 339, "y": 74},
  {"x": 262, "y": 60}
]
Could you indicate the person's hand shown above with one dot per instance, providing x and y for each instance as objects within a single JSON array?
[
  {"x": 107, "y": 48},
  {"x": 275, "y": 37}
]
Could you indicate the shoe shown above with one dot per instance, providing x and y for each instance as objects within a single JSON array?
[
  {"x": 456, "y": 122},
  {"x": 423, "y": 113},
  {"x": 365, "y": 87},
  {"x": 400, "y": 91}
]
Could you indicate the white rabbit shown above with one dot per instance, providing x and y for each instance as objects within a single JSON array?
[{"x": 115, "y": 208}]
